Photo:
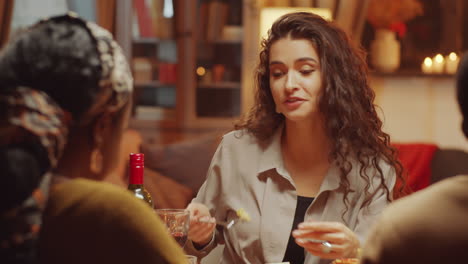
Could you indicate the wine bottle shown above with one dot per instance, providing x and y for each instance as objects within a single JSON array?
[{"x": 135, "y": 184}]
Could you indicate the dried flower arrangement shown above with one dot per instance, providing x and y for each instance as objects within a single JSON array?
[{"x": 392, "y": 14}]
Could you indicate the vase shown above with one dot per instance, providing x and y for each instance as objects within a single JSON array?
[{"x": 385, "y": 51}]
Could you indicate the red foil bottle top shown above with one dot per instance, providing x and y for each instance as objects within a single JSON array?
[
  {"x": 137, "y": 165},
  {"x": 137, "y": 159}
]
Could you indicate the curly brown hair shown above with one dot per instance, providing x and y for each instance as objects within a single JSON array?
[{"x": 345, "y": 101}]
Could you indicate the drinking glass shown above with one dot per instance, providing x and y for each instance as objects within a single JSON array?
[{"x": 177, "y": 222}]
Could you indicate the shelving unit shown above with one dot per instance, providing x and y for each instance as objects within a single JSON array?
[{"x": 205, "y": 88}]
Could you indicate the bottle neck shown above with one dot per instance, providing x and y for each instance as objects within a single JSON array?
[{"x": 136, "y": 175}]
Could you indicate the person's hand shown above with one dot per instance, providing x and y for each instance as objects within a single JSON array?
[
  {"x": 344, "y": 243},
  {"x": 202, "y": 225}
]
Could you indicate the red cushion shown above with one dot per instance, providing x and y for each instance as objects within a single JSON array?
[{"x": 416, "y": 159}]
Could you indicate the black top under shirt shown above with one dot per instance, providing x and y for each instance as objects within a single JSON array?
[{"x": 295, "y": 253}]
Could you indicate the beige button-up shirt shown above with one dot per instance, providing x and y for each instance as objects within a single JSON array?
[{"x": 244, "y": 175}]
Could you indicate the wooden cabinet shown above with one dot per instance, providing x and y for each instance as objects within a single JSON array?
[
  {"x": 193, "y": 74},
  {"x": 218, "y": 59},
  {"x": 146, "y": 31}
]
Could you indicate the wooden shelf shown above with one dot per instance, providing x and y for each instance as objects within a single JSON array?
[
  {"x": 221, "y": 42},
  {"x": 154, "y": 84},
  {"x": 410, "y": 73},
  {"x": 151, "y": 40},
  {"x": 219, "y": 85},
  {"x": 189, "y": 51}
]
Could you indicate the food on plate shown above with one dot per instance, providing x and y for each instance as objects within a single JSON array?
[{"x": 243, "y": 215}]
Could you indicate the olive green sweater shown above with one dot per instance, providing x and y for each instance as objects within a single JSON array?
[{"x": 95, "y": 222}]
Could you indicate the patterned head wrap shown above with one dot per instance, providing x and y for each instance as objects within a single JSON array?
[
  {"x": 35, "y": 116},
  {"x": 116, "y": 82},
  {"x": 38, "y": 114},
  {"x": 31, "y": 115}
]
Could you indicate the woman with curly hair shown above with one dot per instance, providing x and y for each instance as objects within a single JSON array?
[{"x": 309, "y": 163}]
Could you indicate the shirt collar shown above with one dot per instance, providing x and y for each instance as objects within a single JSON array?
[
  {"x": 272, "y": 158},
  {"x": 332, "y": 179}
]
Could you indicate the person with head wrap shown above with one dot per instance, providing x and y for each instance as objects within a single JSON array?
[
  {"x": 65, "y": 90},
  {"x": 431, "y": 225}
]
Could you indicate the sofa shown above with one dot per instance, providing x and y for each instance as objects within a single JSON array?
[
  {"x": 181, "y": 167},
  {"x": 175, "y": 172}
]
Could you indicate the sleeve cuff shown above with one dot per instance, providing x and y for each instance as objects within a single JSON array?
[{"x": 190, "y": 248}]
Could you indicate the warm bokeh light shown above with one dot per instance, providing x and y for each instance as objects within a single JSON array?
[
  {"x": 451, "y": 63},
  {"x": 428, "y": 61},
  {"x": 201, "y": 71},
  {"x": 439, "y": 58},
  {"x": 453, "y": 56},
  {"x": 426, "y": 66}
]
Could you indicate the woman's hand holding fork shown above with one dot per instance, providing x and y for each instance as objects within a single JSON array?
[{"x": 202, "y": 225}]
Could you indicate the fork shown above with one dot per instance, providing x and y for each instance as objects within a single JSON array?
[
  {"x": 226, "y": 224},
  {"x": 241, "y": 215}
]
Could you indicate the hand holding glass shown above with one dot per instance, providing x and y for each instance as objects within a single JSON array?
[{"x": 177, "y": 222}]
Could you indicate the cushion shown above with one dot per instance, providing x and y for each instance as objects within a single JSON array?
[
  {"x": 416, "y": 159},
  {"x": 185, "y": 162},
  {"x": 166, "y": 193}
]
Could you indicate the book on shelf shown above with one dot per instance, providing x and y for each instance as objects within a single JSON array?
[
  {"x": 143, "y": 69},
  {"x": 145, "y": 22},
  {"x": 162, "y": 14},
  {"x": 202, "y": 21},
  {"x": 155, "y": 18},
  {"x": 135, "y": 25},
  {"x": 153, "y": 113},
  {"x": 167, "y": 73},
  {"x": 217, "y": 18}
]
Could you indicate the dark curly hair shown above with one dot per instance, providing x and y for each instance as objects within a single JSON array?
[
  {"x": 58, "y": 57},
  {"x": 345, "y": 101},
  {"x": 462, "y": 91}
]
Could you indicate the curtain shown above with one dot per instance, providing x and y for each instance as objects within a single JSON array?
[
  {"x": 105, "y": 14},
  {"x": 6, "y": 12}
]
